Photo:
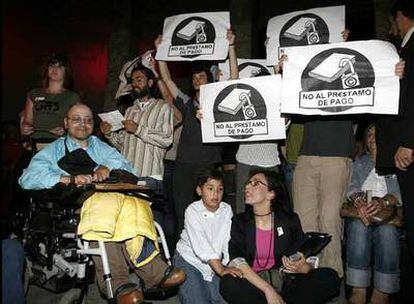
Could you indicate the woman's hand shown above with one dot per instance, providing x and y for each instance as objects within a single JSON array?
[
  {"x": 233, "y": 271},
  {"x": 278, "y": 68},
  {"x": 105, "y": 127},
  {"x": 57, "y": 131},
  {"x": 27, "y": 128},
  {"x": 199, "y": 114},
  {"x": 272, "y": 297},
  {"x": 345, "y": 34},
  {"x": 363, "y": 214},
  {"x": 153, "y": 66},
  {"x": 231, "y": 37},
  {"x": 299, "y": 266},
  {"x": 157, "y": 41},
  {"x": 399, "y": 69}
]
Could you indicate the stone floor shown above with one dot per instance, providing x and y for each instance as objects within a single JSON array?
[{"x": 37, "y": 295}]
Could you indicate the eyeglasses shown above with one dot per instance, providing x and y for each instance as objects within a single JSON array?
[
  {"x": 80, "y": 120},
  {"x": 255, "y": 183}
]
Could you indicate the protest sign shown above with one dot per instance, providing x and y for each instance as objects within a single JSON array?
[
  {"x": 247, "y": 68},
  {"x": 196, "y": 36},
  {"x": 242, "y": 110},
  {"x": 341, "y": 78},
  {"x": 309, "y": 27}
]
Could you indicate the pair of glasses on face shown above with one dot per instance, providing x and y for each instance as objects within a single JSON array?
[
  {"x": 80, "y": 120},
  {"x": 255, "y": 183}
]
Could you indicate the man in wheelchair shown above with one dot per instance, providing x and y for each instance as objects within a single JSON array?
[{"x": 81, "y": 159}]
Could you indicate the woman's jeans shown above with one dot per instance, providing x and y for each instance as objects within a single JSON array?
[
  {"x": 13, "y": 260},
  {"x": 380, "y": 243},
  {"x": 195, "y": 289}
]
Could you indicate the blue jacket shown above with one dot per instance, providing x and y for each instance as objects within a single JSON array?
[{"x": 43, "y": 171}]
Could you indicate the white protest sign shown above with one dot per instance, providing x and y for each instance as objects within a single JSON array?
[
  {"x": 242, "y": 110},
  {"x": 341, "y": 78},
  {"x": 196, "y": 36},
  {"x": 247, "y": 68},
  {"x": 314, "y": 26},
  {"x": 125, "y": 74}
]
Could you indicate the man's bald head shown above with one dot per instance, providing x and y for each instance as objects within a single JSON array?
[
  {"x": 79, "y": 122},
  {"x": 78, "y": 106}
]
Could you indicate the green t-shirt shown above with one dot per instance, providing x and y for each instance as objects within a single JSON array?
[
  {"x": 294, "y": 142},
  {"x": 49, "y": 110}
]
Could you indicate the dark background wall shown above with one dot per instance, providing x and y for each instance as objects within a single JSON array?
[{"x": 99, "y": 36}]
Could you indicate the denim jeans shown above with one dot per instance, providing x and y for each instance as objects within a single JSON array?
[
  {"x": 195, "y": 289},
  {"x": 381, "y": 242},
  {"x": 13, "y": 260}
]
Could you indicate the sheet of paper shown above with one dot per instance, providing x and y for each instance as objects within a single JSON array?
[{"x": 115, "y": 118}]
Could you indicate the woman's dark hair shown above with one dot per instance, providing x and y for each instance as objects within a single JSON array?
[
  {"x": 365, "y": 146},
  {"x": 209, "y": 174},
  {"x": 275, "y": 184},
  {"x": 62, "y": 60},
  {"x": 406, "y": 7},
  {"x": 199, "y": 68}
]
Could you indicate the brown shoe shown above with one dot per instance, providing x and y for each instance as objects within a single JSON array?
[
  {"x": 173, "y": 277},
  {"x": 129, "y": 294}
]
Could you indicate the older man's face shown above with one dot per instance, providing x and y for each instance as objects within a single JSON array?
[{"x": 79, "y": 122}]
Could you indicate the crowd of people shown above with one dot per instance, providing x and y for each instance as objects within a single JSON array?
[{"x": 314, "y": 181}]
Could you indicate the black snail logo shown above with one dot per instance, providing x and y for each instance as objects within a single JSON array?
[
  {"x": 194, "y": 32},
  {"x": 237, "y": 103},
  {"x": 304, "y": 29},
  {"x": 337, "y": 70},
  {"x": 255, "y": 69}
]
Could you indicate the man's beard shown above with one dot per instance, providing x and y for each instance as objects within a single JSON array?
[{"x": 138, "y": 94}]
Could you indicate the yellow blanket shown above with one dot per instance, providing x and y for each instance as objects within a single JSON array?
[{"x": 115, "y": 217}]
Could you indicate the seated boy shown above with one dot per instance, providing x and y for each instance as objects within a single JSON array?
[{"x": 202, "y": 250}]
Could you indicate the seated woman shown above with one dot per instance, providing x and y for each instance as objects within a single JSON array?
[
  {"x": 260, "y": 239},
  {"x": 365, "y": 234}
]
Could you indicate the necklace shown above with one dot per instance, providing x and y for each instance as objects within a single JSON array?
[
  {"x": 263, "y": 214},
  {"x": 269, "y": 247}
]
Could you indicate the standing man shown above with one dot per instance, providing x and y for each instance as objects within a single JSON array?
[
  {"x": 395, "y": 135},
  {"x": 148, "y": 129}
]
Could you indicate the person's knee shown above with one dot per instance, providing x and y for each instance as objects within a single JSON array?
[
  {"x": 227, "y": 285},
  {"x": 329, "y": 279}
]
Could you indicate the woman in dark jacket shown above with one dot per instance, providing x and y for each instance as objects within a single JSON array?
[{"x": 261, "y": 239}]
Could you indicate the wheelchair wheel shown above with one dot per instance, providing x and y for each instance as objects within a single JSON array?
[{"x": 72, "y": 297}]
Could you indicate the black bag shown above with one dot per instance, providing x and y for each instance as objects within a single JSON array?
[
  {"x": 77, "y": 162},
  {"x": 312, "y": 243}
]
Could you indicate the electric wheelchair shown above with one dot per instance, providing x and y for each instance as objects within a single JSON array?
[{"x": 57, "y": 259}]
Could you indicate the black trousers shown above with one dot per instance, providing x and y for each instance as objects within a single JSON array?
[
  {"x": 406, "y": 181},
  {"x": 316, "y": 287},
  {"x": 184, "y": 184}
]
